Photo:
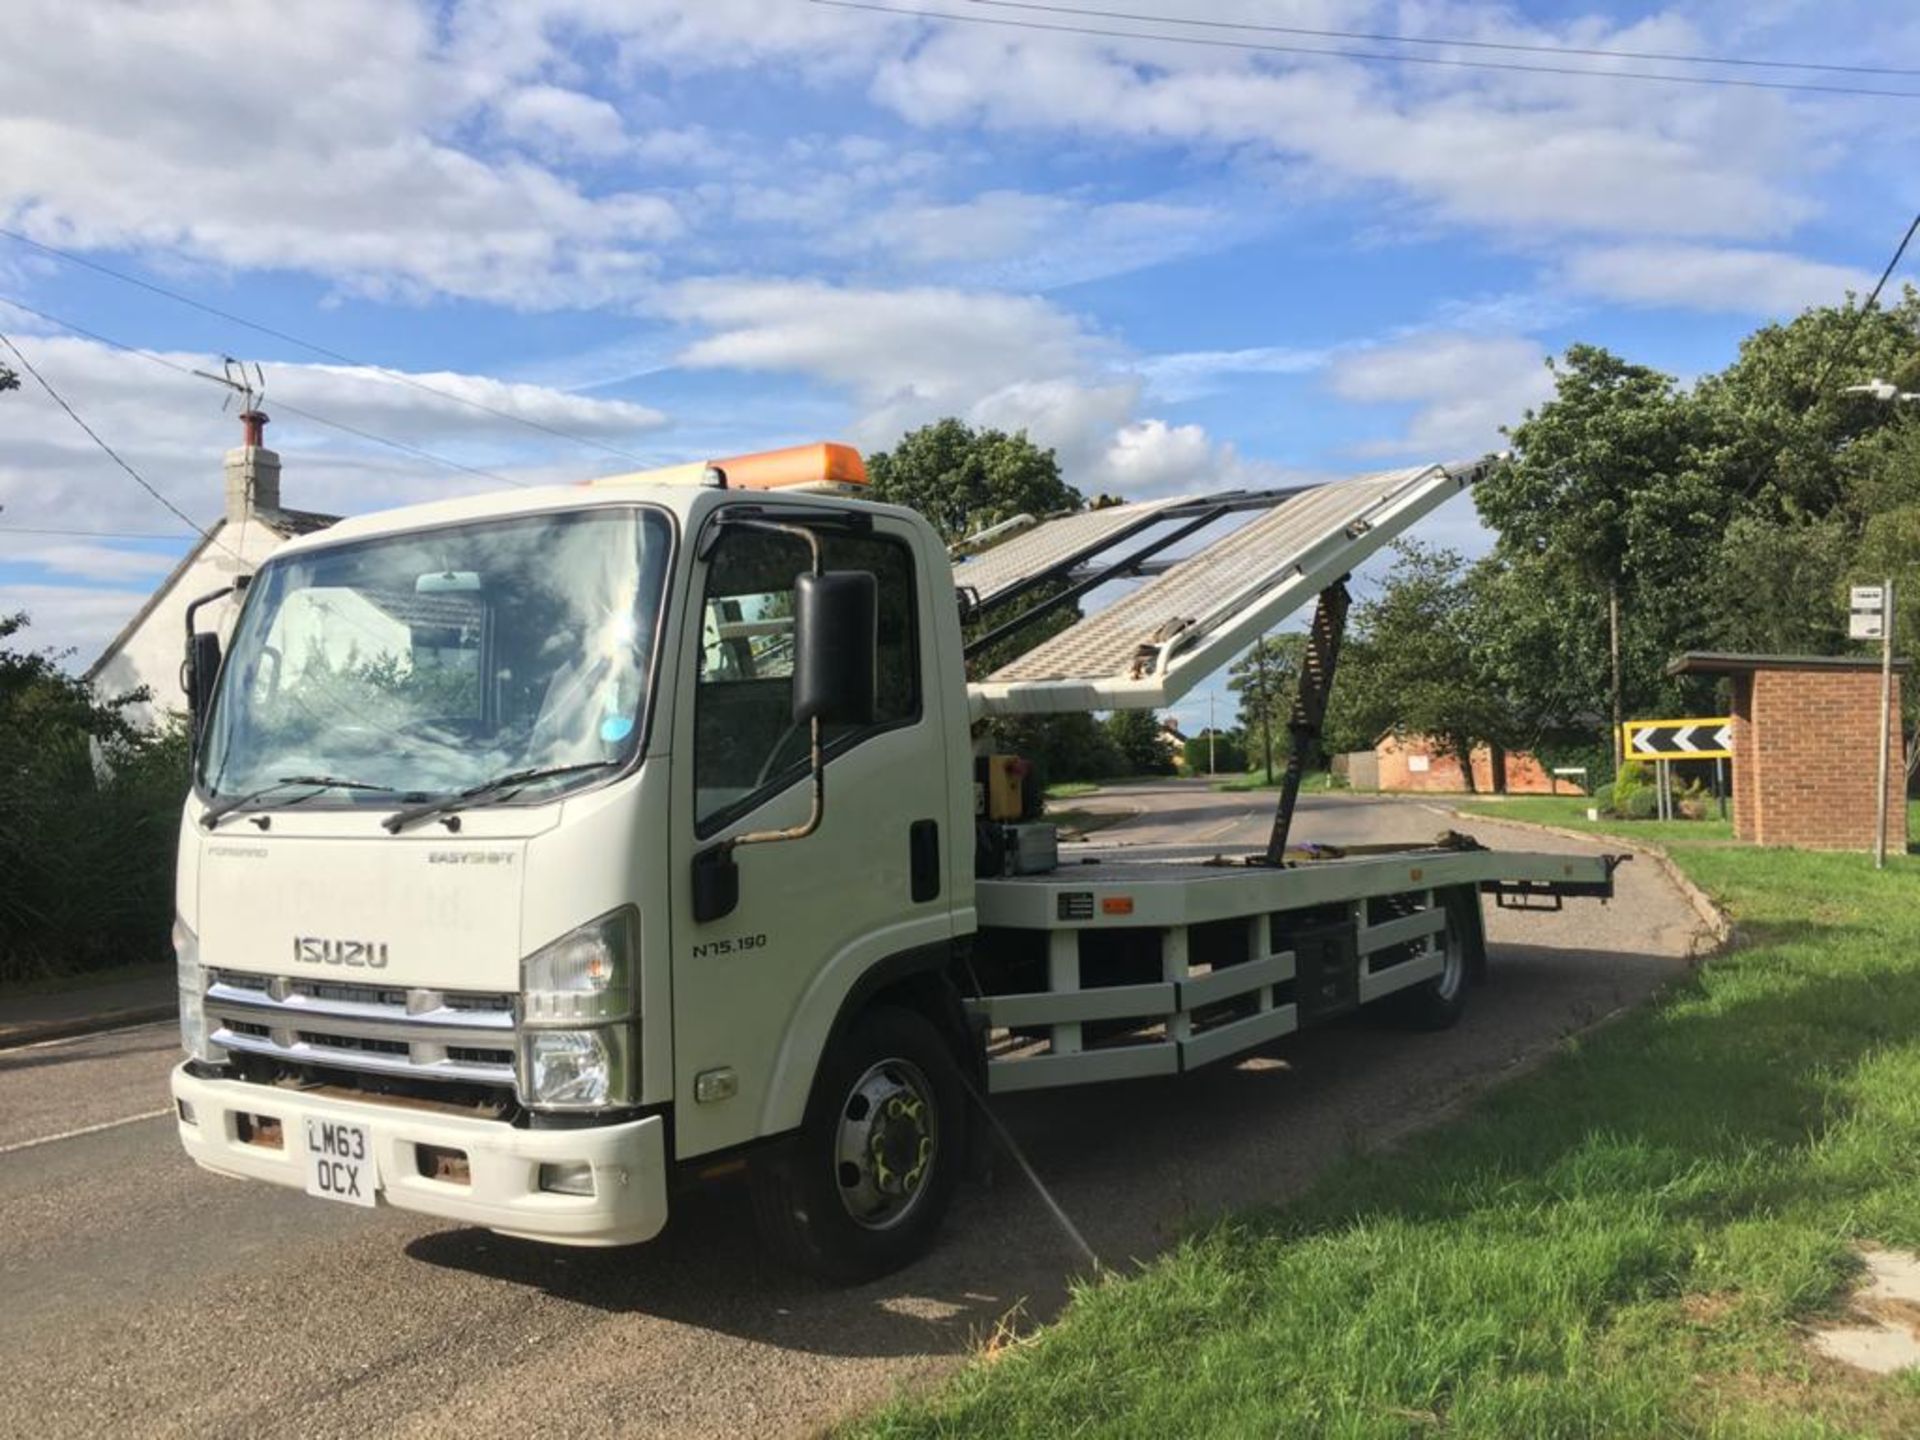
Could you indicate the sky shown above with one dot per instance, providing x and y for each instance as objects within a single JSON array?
[{"x": 678, "y": 231}]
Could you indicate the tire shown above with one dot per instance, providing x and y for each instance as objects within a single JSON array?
[
  {"x": 863, "y": 1189},
  {"x": 1438, "y": 1004}
]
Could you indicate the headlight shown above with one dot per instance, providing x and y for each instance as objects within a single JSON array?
[
  {"x": 576, "y": 1069},
  {"x": 191, "y": 982},
  {"x": 576, "y": 1013}
]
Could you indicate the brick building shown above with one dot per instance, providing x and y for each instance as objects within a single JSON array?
[
  {"x": 1418, "y": 763},
  {"x": 1806, "y": 749}
]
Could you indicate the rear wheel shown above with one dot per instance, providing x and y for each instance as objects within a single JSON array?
[
  {"x": 869, "y": 1179},
  {"x": 1438, "y": 1003}
]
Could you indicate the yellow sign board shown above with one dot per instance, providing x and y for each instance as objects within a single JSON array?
[{"x": 1708, "y": 739}]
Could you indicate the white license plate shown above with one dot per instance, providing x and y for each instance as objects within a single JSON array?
[{"x": 340, "y": 1162}]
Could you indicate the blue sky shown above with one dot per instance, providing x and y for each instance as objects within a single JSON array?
[{"x": 679, "y": 231}]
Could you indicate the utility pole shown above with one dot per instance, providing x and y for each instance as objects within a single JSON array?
[
  {"x": 1613, "y": 648},
  {"x": 1886, "y": 727},
  {"x": 1211, "y": 728},
  {"x": 1888, "y": 394},
  {"x": 1266, "y": 705}
]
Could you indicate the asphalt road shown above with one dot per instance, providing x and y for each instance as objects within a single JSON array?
[{"x": 139, "y": 1296}]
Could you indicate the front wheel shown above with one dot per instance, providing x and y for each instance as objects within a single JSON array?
[{"x": 869, "y": 1179}]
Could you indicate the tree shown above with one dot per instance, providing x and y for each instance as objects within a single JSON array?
[
  {"x": 1266, "y": 679},
  {"x": 8, "y": 380},
  {"x": 1596, "y": 475},
  {"x": 1141, "y": 743},
  {"x": 1411, "y": 662},
  {"x": 964, "y": 480}
]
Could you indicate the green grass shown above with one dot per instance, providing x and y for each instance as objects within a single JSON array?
[
  {"x": 1072, "y": 789},
  {"x": 1256, "y": 779},
  {"x": 1621, "y": 1243},
  {"x": 1570, "y": 813}
]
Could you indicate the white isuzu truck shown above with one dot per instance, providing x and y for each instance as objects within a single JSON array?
[{"x": 552, "y": 852}]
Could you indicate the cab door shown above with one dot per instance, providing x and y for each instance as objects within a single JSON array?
[{"x": 755, "y": 991}]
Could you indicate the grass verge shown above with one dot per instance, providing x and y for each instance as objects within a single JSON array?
[
  {"x": 1072, "y": 789},
  {"x": 1623, "y": 1242},
  {"x": 1570, "y": 813},
  {"x": 1310, "y": 783}
]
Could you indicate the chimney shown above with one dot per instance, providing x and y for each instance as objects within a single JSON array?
[{"x": 253, "y": 471}]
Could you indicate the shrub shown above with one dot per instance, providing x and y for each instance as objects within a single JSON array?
[
  {"x": 1229, "y": 754},
  {"x": 89, "y": 814}
]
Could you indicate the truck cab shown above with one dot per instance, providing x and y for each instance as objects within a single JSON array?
[{"x": 438, "y": 938}]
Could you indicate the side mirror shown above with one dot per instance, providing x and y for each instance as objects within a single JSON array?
[
  {"x": 202, "y": 669},
  {"x": 716, "y": 884},
  {"x": 836, "y": 644}
]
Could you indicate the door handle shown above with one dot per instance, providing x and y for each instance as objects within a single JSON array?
[{"x": 923, "y": 858}]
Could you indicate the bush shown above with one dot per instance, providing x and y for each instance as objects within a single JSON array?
[
  {"x": 89, "y": 816},
  {"x": 1229, "y": 754},
  {"x": 1061, "y": 747},
  {"x": 1642, "y": 804}
]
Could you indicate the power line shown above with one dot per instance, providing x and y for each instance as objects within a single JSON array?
[
  {"x": 1853, "y": 324},
  {"x": 112, "y": 454},
  {"x": 281, "y": 405},
  {"x": 1367, "y": 55},
  {"x": 1396, "y": 39},
  {"x": 398, "y": 376}
]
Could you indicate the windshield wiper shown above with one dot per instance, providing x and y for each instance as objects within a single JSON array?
[
  {"x": 486, "y": 790},
  {"x": 222, "y": 808}
]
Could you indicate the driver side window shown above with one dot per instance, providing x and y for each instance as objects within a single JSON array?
[{"x": 746, "y": 746}]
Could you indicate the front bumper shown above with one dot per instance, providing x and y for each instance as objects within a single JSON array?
[{"x": 629, "y": 1203}]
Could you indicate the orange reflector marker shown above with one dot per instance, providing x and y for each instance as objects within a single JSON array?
[
  {"x": 1117, "y": 905},
  {"x": 796, "y": 465},
  {"x": 825, "y": 466}
]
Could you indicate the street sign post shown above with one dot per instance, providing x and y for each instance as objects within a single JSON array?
[{"x": 1870, "y": 617}]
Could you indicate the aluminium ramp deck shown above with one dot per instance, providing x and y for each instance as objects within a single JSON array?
[
  {"x": 1151, "y": 646},
  {"x": 1050, "y": 544}
]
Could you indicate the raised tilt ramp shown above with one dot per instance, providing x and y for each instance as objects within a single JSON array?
[{"x": 1151, "y": 646}]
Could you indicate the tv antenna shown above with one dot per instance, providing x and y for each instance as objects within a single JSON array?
[{"x": 251, "y": 389}]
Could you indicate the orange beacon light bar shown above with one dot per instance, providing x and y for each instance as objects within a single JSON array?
[{"x": 824, "y": 466}]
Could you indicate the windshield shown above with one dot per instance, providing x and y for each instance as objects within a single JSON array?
[{"x": 430, "y": 662}]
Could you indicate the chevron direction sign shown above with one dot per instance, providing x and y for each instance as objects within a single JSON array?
[{"x": 1679, "y": 739}]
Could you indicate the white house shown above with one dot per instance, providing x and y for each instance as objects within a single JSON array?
[{"x": 149, "y": 649}]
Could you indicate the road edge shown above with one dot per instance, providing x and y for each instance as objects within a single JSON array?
[
  {"x": 38, "y": 1032},
  {"x": 1718, "y": 933}
]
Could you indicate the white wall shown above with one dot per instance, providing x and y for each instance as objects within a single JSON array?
[{"x": 151, "y": 656}]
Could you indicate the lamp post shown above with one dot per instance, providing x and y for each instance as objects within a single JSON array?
[{"x": 1886, "y": 392}]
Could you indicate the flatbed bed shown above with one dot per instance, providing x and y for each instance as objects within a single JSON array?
[{"x": 1114, "y": 967}]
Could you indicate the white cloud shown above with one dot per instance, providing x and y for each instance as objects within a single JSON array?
[
  {"x": 325, "y": 138},
  {"x": 561, "y": 122},
  {"x": 1705, "y": 277},
  {"x": 1188, "y": 374},
  {"x": 1460, "y": 388},
  {"x": 83, "y": 559},
  {"x": 912, "y": 355},
  {"x": 72, "y": 617},
  {"x": 170, "y": 428},
  {"x": 1504, "y": 151}
]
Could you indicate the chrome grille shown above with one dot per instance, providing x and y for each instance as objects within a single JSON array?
[{"x": 459, "y": 1035}]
